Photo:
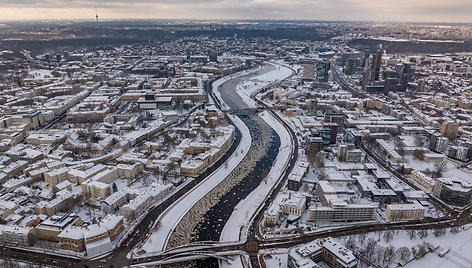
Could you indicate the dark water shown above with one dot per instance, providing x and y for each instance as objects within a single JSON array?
[{"x": 218, "y": 215}]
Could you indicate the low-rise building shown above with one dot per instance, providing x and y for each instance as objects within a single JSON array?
[
  {"x": 72, "y": 238},
  {"x": 324, "y": 252},
  {"x": 82, "y": 173},
  {"x": 7, "y": 208},
  {"x": 64, "y": 200},
  {"x": 293, "y": 204},
  {"x": 453, "y": 191},
  {"x": 403, "y": 212},
  {"x": 96, "y": 239},
  {"x": 99, "y": 238},
  {"x": 421, "y": 178},
  {"x": 54, "y": 225},
  {"x": 141, "y": 203},
  {"x": 17, "y": 236},
  {"x": 114, "y": 202}
]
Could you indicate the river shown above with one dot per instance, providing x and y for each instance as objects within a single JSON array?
[{"x": 264, "y": 149}]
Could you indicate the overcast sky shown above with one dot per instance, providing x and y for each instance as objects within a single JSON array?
[{"x": 371, "y": 10}]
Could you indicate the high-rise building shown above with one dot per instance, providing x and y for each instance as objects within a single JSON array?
[
  {"x": 365, "y": 57},
  {"x": 314, "y": 144},
  {"x": 453, "y": 191},
  {"x": 344, "y": 58},
  {"x": 322, "y": 71},
  {"x": 213, "y": 55},
  {"x": 313, "y": 107},
  {"x": 405, "y": 72},
  {"x": 189, "y": 55},
  {"x": 450, "y": 129},
  {"x": 438, "y": 143},
  {"x": 342, "y": 152},
  {"x": 441, "y": 144},
  {"x": 468, "y": 145},
  {"x": 376, "y": 64},
  {"x": 458, "y": 152},
  {"x": 308, "y": 71},
  {"x": 351, "y": 66},
  {"x": 366, "y": 78}
]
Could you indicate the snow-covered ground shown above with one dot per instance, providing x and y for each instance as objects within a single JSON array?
[
  {"x": 171, "y": 217},
  {"x": 452, "y": 170},
  {"x": 236, "y": 227},
  {"x": 276, "y": 258},
  {"x": 281, "y": 72},
  {"x": 457, "y": 247},
  {"x": 243, "y": 212},
  {"x": 40, "y": 73},
  {"x": 241, "y": 216}
]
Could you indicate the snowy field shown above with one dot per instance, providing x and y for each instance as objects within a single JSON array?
[
  {"x": 276, "y": 258},
  {"x": 456, "y": 249},
  {"x": 40, "y": 73},
  {"x": 427, "y": 246},
  {"x": 452, "y": 170}
]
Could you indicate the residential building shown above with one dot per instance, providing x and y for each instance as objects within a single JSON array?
[
  {"x": 453, "y": 191},
  {"x": 403, "y": 212},
  {"x": 450, "y": 129},
  {"x": 325, "y": 252}
]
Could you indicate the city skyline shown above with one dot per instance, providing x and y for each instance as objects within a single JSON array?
[
  {"x": 456, "y": 11},
  {"x": 279, "y": 135}
]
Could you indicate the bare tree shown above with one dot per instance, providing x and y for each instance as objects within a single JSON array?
[
  {"x": 419, "y": 154},
  {"x": 412, "y": 234},
  {"x": 422, "y": 249},
  {"x": 455, "y": 230},
  {"x": 419, "y": 141},
  {"x": 361, "y": 239},
  {"x": 401, "y": 149},
  {"x": 439, "y": 169},
  {"x": 439, "y": 232},
  {"x": 370, "y": 247},
  {"x": 414, "y": 252},
  {"x": 114, "y": 187},
  {"x": 350, "y": 243},
  {"x": 388, "y": 236},
  {"x": 319, "y": 160},
  {"x": 389, "y": 254},
  {"x": 403, "y": 253},
  {"x": 370, "y": 140},
  {"x": 423, "y": 234},
  {"x": 321, "y": 174},
  {"x": 264, "y": 175}
]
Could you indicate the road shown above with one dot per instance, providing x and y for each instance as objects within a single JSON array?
[
  {"x": 253, "y": 247},
  {"x": 341, "y": 80},
  {"x": 139, "y": 233},
  {"x": 255, "y": 243}
]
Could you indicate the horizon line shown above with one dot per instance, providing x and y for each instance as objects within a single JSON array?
[{"x": 230, "y": 20}]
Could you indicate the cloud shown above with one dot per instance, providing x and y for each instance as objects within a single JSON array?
[{"x": 386, "y": 10}]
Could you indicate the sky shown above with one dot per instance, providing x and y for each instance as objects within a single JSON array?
[{"x": 453, "y": 11}]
